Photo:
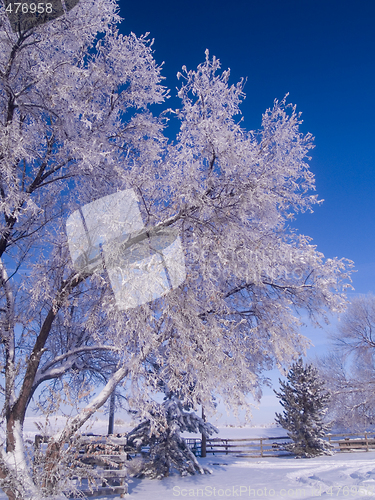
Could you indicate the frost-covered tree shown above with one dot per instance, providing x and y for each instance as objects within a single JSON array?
[
  {"x": 351, "y": 406},
  {"x": 74, "y": 128},
  {"x": 162, "y": 434},
  {"x": 349, "y": 369},
  {"x": 304, "y": 400},
  {"x": 73, "y": 114}
]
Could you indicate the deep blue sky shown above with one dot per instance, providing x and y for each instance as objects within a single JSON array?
[{"x": 322, "y": 53}]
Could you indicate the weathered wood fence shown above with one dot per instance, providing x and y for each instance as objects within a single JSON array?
[
  {"x": 352, "y": 442},
  {"x": 274, "y": 446},
  {"x": 108, "y": 455}
]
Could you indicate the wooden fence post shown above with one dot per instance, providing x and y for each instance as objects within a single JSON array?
[
  {"x": 111, "y": 420},
  {"x": 204, "y": 439}
]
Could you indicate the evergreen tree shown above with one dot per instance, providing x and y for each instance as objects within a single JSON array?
[
  {"x": 305, "y": 403},
  {"x": 162, "y": 433}
]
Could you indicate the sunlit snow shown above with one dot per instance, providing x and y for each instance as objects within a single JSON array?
[{"x": 344, "y": 475}]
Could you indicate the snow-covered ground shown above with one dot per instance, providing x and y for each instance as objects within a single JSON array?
[{"x": 344, "y": 475}]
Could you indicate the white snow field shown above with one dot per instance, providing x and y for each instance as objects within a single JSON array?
[{"x": 343, "y": 475}]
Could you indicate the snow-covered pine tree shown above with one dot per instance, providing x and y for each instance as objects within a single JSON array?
[
  {"x": 162, "y": 433},
  {"x": 304, "y": 399}
]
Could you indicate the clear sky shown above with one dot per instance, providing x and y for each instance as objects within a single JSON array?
[{"x": 323, "y": 53}]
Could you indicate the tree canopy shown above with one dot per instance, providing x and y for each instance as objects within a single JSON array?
[{"x": 348, "y": 367}]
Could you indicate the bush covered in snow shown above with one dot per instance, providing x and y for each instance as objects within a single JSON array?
[
  {"x": 162, "y": 434},
  {"x": 305, "y": 404}
]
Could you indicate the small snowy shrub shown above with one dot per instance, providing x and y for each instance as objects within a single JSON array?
[{"x": 162, "y": 434}]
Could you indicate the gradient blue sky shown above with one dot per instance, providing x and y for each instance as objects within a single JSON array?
[{"x": 322, "y": 53}]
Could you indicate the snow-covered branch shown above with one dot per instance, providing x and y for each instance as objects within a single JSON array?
[
  {"x": 65, "y": 361},
  {"x": 78, "y": 421}
]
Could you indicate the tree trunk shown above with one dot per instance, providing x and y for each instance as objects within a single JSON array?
[{"x": 15, "y": 470}]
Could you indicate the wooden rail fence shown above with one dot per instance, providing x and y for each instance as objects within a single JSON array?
[
  {"x": 109, "y": 456},
  {"x": 352, "y": 442},
  {"x": 250, "y": 447},
  {"x": 275, "y": 446}
]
